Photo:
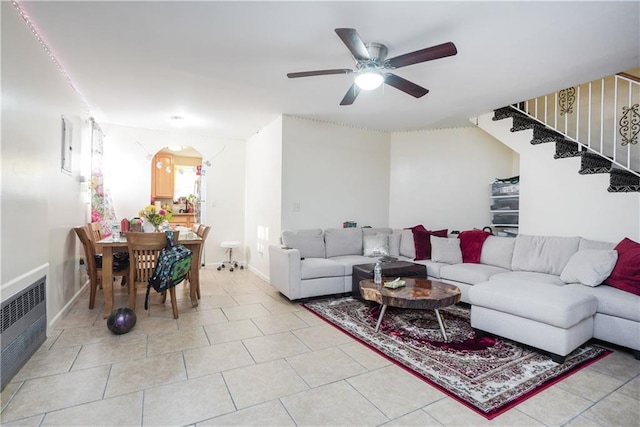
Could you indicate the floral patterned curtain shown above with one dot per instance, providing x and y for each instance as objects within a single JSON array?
[{"x": 101, "y": 204}]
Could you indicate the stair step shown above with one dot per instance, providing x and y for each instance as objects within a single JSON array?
[
  {"x": 621, "y": 181},
  {"x": 522, "y": 122},
  {"x": 542, "y": 134},
  {"x": 503, "y": 113},
  {"x": 593, "y": 163},
  {"x": 566, "y": 149}
]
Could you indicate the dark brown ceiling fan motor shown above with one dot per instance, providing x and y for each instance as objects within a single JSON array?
[{"x": 371, "y": 60}]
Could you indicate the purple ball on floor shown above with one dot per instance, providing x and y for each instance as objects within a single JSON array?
[{"x": 121, "y": 320}]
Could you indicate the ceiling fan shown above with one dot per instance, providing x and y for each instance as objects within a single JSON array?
[{"x": 372, "y": 65}]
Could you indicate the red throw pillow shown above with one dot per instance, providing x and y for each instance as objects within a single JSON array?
[
  {"x": 471, "y": 242},
  {"x": 626, "y": 273},
  {"x": 422, "y": 240}
]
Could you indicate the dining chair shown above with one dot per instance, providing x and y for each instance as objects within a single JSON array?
[
  {"x": 96, "y": 231},
  {"x": 144, "y": 250},
  {"x": 203, "y": 232},
  {"x": 94, "y": 272}
]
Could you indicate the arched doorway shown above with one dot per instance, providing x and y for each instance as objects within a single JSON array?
[{"x": 176, "y": 183}]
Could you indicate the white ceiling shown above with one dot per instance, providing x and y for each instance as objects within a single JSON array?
[{"x": 223, "y": 65}]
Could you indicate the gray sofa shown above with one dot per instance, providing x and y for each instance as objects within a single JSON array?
[
  {"x": 314, "y": 262},
  {"x": 516, "y": 291}
]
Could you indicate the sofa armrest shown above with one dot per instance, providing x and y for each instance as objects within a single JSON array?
[{"x": 285, "y": 271}]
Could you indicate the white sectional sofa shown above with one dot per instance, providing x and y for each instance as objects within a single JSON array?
[{"x": 516, "y": 290}]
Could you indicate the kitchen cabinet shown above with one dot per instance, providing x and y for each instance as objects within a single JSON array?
[
  {"x": 185, "y": 220},
  {"x": 162, "y": 170}
]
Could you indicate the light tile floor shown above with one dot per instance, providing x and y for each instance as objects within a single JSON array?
[{"x": 247, "y": 356}]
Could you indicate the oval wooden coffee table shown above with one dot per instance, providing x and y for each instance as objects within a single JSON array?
[{"x": 420, "y": 294}]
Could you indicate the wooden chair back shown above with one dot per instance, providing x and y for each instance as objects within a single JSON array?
[
  {"x": 96, "y": 231},
  {"x": 203, "y": 232},
  {"x": 83, "y": 234},
  {"x": 144, "y": 250}
]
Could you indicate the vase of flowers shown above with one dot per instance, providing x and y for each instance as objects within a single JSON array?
[{"x": 155, "y": 217}]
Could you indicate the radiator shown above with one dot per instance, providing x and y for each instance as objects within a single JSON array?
[{"x": 23, "y": 327}]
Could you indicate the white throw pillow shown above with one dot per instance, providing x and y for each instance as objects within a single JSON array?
[
  {"x": 394, "y": 243},
  {"x": 377, "y": 245},
  {"x": 446, "y": 250},
  {"x": 590, "y": 267},
  {"x": 407, "y": 245}
]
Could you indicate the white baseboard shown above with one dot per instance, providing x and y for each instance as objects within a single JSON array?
[
  {"x": 258, "y": 273},
  {"x": 67, "y": 307}
]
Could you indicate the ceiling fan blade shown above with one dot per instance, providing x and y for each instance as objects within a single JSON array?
[
  {"x": 428, "y": 54},
  {"x": 319, "y": 73},
  {"x": 351, "y": 95},
  {"x": 350, "y": 37},
  {"x": 405, "y": 85}
]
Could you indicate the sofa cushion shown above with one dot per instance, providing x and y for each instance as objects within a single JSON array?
[
  {"x": 444, "y": 249},
  {"x": 309, "y": 242},
  {"x": 348, "y": 261},
  {"x": 589, "y": 266},
  {"x": 545, "y": 303},
  {"x": 543, "y": 254},
  {"x": 612, "y": 301},
  {"x": 471, "y": 242},
  {"x": 626, "y": 273},
  {"x": 343, "y": 241},
  {"x": 498, "y": 251},
  {"x": 407, "y": 245},
  {"x": 370, "y": 231},
  {"x": 594, "y": 244},
  {"x": 394, "y": 244},
  {"x": 470, "y": 273},
  {"x": 313, "y": 268},
  {"x": 377, "y": 245},
  {"x": 433, "y": 268},
  {"x": 422, "y": 240},
  {"x": 551, "y": 279}
]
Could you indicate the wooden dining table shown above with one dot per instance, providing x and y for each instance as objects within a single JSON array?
[{"x": 109, "y": 245}]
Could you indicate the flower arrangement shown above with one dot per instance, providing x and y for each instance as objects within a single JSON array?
[{"x": 155, "y": 216}]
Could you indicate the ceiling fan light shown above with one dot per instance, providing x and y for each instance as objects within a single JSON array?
[{"x": 369, "y": 80}]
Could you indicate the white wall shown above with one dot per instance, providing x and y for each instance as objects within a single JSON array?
[
  {"x": 332, "y": 174},
  {"x": 127, "y": 170},
  {"x": 40, "y": 204},
  {"x": 556, "y": 200},
  {"x": 441, "y": 178},
  {"x": 264, "y": 185}
]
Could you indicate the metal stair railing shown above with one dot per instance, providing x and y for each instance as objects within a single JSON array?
[{"x": 603, "y": 116}]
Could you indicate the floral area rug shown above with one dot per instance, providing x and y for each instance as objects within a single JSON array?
[{"x": 489, "y": 375}]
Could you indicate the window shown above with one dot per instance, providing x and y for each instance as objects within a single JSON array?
[{"x": 186, "y": 179}]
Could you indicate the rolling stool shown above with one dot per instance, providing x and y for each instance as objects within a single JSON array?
[{"x": 229, "y": 245}]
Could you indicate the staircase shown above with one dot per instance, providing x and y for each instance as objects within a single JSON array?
[{"x": 600, "y": 126}]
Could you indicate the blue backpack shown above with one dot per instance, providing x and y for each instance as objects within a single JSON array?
[{"x": 172, "y": 266}]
